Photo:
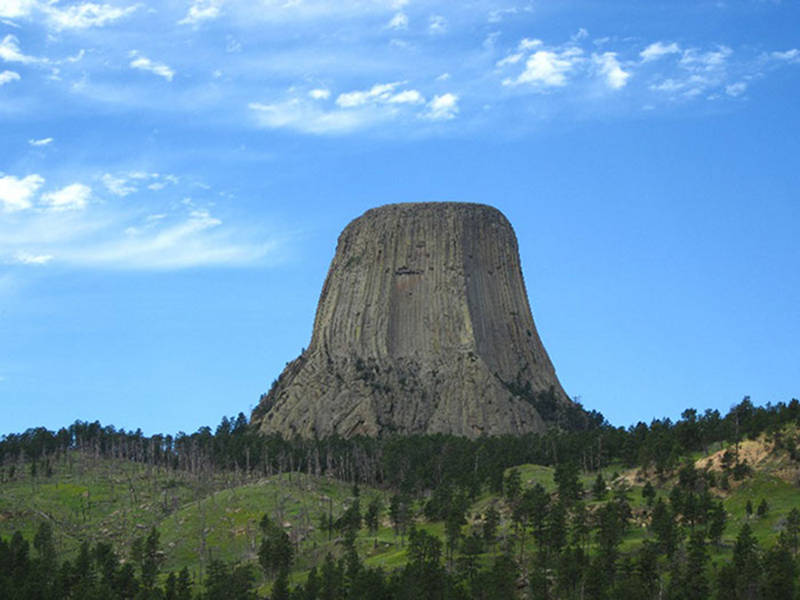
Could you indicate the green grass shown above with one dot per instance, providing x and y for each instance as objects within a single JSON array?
[{"x": 218, "y": 516}]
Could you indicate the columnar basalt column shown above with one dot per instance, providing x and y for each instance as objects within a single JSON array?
[{"x": 423, "y": 326}]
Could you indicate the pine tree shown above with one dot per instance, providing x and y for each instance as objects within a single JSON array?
[
  {"x": 599, "y": 488},
  {"x": 780, "y": 574},
  {"x": 747, "y": 562}
]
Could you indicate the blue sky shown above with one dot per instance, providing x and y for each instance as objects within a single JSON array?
[{"x": 173, "y": 177}]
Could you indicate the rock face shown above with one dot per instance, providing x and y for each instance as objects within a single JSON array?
[{"x": 423, "y": 326}]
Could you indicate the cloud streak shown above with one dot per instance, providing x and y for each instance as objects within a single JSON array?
[
  {"x": 65, "y": 226},
  {"x": 143, "y": 63}
]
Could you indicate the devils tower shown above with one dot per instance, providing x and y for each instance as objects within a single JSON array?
[{"x": 423, "y": 326}]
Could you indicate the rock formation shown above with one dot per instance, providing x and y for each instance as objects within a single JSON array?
[{"x": 423, "y": 326}]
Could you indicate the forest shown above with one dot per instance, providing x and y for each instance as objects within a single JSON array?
[{"x": 601, "y": 512}]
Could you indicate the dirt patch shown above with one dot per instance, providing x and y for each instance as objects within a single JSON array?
[{"x": 754, "y": 452}]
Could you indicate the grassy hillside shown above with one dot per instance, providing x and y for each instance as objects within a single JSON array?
[{"x": 217, "y": 515}]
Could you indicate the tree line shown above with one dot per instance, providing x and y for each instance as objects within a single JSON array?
[{"x": 412, "y": 463}]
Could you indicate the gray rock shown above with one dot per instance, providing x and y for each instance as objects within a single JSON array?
[{"x": 423, "y": 326}]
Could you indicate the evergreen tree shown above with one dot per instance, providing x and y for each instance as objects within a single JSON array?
[
  {"x": 599, "y": 488},
  {"x": 372, "y": 516},
  {"x": 183, "y": 589},
  {"x": 747, "y": 563},
  {"x": 567, "y": 482},
  {"x": 648, "y": 493},
  {"x": 150, "y": 562},
  {"x": 716, "y": 524},
  {"x": 663, "y": 525},
  {"x": 490, "y": 524},
  {"x": 280, "y": 589},
  {"x": 792, "y": 530},
  {"x": 512, "y": 486},
  {"x": 780, "y": 574}
]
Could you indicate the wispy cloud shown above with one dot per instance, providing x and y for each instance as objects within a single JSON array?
[
  {"x": 301, "y": 115},
  {"x": 88, "y": 14},
  {"x": 658, "y": 50},
  {"x": 145, "y": 64},
  {"x": 8, "y": 77},
  {"x": 119, "y": 186},
  {"x": 792, "y": 55},
  {"x": 736, "y": 89},
  {"x": 382, "y": 93},
  {"x": 41, "y": 142},
  {"x": 202, "y": 10},
  {"x": 437, "y": 25},
  {"x": 26, "y": 258},
  {"x": 64, "y": 227},
  {"x": 398, "y": 21},
  {"x": 10, "y": 51},
  {"x": 72, "y": 197},
  {"x": 354, "y": 110},
  {"x": 609, "y": 66}
]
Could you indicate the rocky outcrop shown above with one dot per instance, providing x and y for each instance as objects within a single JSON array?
[{"x": 423, "y": 326}]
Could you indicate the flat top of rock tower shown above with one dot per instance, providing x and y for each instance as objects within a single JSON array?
[{"x": 424, "y": 207}]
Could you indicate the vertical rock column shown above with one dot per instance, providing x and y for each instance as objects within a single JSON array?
[{"x": 423, "y": 326}]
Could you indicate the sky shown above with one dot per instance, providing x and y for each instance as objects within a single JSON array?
[{"x": 174, "y": 175}]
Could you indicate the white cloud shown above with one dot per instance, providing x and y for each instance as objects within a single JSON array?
[
  {"x": 407, "y": 97},
  {"x": 378, "y": 93},
  {"x": 437, "y": 24},
  {"x": 72, "y": 197},
  {"x": 792, "y": 55},
  {"x": 319, "y": 94},
  {"x": 110, "y": 236},
  {"x": 668, "y": 85},
  {"x": 16, "y": 8},
  {"x": 399, "y": 21},
  {"x": 26, "y": 258},
  {"x": 490, "y": 40},
  {"x": 609, "y": 66},
  {"x": 582, "y": 33},
  {"x": 202, "y": 10},
  {"x": 78, "y": 57},
  {"x": 548, "y": 68},
  {"x": 353, "y": 111},
  {"x": 196, "y": 240},
  {"x": 443, "y": 77},
  {"x": 309, "y": 118},
  {"x": 42, "y": 142},
  {"x": 688, "y": 87},
  {"x": 530, "y": 44},
  {"x": 88, "y": 14},
  {"x": 145, "y": 64},
  {"x": 119, "y": 186},
  {"x": 657, "y": 50},
  {"x": 10, "y": 52},
  {"x": 510, "y": 60},
  {"x": 443, "y": 108},
  {"x": 16, "y": 194},
  {"x": 695, "y": 60},
  {"x": 736, "y": 89},
  {"x": 8, "y": 77}
]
